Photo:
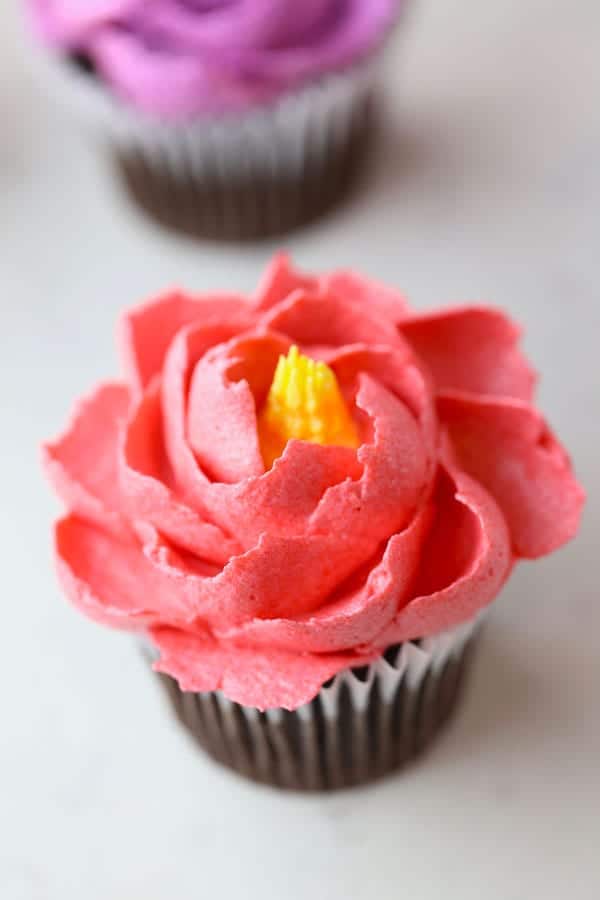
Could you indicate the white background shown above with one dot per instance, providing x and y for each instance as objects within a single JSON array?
[{"x": 488, "y": 188}]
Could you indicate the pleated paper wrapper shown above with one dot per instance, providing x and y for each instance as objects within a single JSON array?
[
  {"x": 362, "y": 725},
  {"x": 252, "y": 175}
]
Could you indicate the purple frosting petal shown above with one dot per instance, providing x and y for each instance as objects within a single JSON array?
[
  {"x": 179, "y": 58},
  {"x": 71, "y": 22},
  {"x": 245, "y": 24}
]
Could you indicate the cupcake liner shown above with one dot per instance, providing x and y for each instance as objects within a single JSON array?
[
  {"x": 246, "y": 176},
  {"x": 365, "y": 723}
]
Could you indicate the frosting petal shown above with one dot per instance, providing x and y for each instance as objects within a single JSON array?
[
  {"x": 326, "y": 320},
  {"x": 354, "y": 616},
  {"x": 279, "y": 281},
  {"x": 259, "y": 24},
  {"x": 146, "y": 331},
  {"x": 113, "y": 582},
  {"x": 283, "y": 499},
  {"x": 82, "y": 462},
  {"x": 393, "y": 483},
  {"x": 162, "y": 84},
  {"x": 463, "y": 565},
  {"x": 270, "y": 679},
  {"x": 66, "y": 22},
  {"x": 186, "y": 349},
  {"x": 508, "y": 448},
  {"x": 227, "y": 385},
  {"x": 471, "y": 349},
  {"x": 279, "y": 577},
  {"x": 148, "y": 491},
  {"x": 399, "y": 371},
  {"x": 367, "y": 292}
]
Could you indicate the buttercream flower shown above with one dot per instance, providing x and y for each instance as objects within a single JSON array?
[
  {"x": 262, "y": 551},
  {"x": 176, "y": 58}
]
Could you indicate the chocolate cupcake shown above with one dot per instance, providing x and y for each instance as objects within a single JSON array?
[
  {"x": 307, "y": 499},
  {"x": 229, "y": 119}
]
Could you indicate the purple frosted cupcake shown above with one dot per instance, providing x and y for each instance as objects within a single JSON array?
[{"x": 227, "y": 118}]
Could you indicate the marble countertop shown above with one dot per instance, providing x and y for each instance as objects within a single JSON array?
[{"x": 487, "y": 187}]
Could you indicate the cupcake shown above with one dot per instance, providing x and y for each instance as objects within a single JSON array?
[
  {"x": 228, "y": 119},
  {"x": 303, "y": 502}
]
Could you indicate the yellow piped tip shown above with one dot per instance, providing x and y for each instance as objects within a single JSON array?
[{"x": 304, "y": 402}]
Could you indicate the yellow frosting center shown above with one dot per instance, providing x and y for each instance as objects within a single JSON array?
[{"x": 304, "y": 402}]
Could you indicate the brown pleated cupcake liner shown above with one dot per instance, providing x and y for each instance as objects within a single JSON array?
[
  {"x": 255, "y": 175},
  {"x": 253, "y": 202},
  {"x": 364, "y": 724}
]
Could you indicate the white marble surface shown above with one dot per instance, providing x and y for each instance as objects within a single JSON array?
[{"x": 489, "y": 187}]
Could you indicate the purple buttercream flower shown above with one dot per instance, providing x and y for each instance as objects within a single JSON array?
[{"x": 180, "y": 58}]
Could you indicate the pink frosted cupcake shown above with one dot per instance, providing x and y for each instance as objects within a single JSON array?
[
  {"x": 304, "y": 501},
  {"x": 230, "y": 118}
]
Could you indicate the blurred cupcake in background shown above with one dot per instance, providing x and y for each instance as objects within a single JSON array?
[{"x": 227, "y": 118}]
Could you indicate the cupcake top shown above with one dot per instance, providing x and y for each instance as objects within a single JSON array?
[
  {"x": 284, "y": 485},
  {"x": 182, "y": 58}
]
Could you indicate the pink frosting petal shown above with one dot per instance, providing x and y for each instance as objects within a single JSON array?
[
  {"x": 368, "y": 293},
  {"x": 507, "y": 446},
  {"x": 282, "y": 500},
  {"x": 464, "y": 562},
  {"x": 146, "y": 331},
  {"x": 398, "y": 370},
  {"x": 228, "y": 385},
  {"x": 271, "y": 679},
  {"x": 222, "y": 426},
  {"x": 147, "y": 488},
  {"x": 393, "y": 483},
  {"x": 279, "y": 281},
  {"x": 320, "y": 320},
  {"x": 279, "y": 577},
  {"x": 112, "y": 581},
  {"x": 358, "y": 613},
  {"x": 186, "y": 349},
  {"x": 471, "y": 349},
  {"x": 120, "y": 583},
  {"x": 82, "y": 462}
]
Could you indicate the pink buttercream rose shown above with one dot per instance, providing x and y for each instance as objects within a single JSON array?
[{"x": 266, "y": 583}]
